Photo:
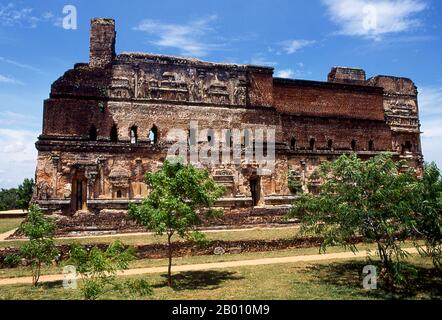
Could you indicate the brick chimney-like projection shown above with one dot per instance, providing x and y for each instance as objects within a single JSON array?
[
  {"x": 102, "y": 46},
  {"x": 347, "y": 75}
]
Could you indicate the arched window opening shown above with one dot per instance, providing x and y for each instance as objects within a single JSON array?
[
  {"x": 229, "y": 139},
  {"x": 371, "y": 145},
  {"x": 246, "y": 141},
  {"x": 93, "y": 133},
  {"x": 293, "y": 144},
  {"x": 114, "y": 134},
  {"x": 407, "y": 147},
  {"x": 191, "y": 137},
  {"x": 330, "y": 144},
  {"x": 153, "y": 135},
  {"x": 353, "y": 145},
  {"x": 211, "y": 137},
  {"x": 134, "y": 135},
  {"x": 312, "y": 144}
]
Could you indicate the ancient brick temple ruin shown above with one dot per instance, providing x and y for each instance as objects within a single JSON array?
[{"x": 106, "y": 124}]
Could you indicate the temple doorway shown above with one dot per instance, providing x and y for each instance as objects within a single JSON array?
[
  {"x": 79, "y": 196},
  {"x": 255, "y": 188}
]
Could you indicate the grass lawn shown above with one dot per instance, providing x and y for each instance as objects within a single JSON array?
[
  {"x": 9, "y": 224},
  {"x": 321, "y": 280},
  {"x": 146, "y": 263}
]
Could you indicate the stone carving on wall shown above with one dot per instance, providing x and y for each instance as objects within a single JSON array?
[
  {"x": 67, "y": 190},
  {"x": 120, "y": 88},
  {"x": 44, "y": 191},
  {"x": 193, "y": 85},
  {"x": 223, "y": 172},
  {"x": 218, "y": 93},
  {"x": 119, "y": 178}
]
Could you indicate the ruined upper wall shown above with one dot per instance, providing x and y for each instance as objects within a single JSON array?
[
  {"x": 394, "y": 85},
  {"x": 328, "y": 99},
  {"x": 153, "y": 78}
]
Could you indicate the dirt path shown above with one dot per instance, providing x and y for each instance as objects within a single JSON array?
[
  {"x": 5, "y": 235},
  {"x": 210, "y": 266}
]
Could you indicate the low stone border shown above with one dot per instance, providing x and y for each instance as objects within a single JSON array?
[{"x": 120, "y": 223}]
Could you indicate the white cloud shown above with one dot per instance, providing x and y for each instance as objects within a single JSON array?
[
  {"x": 430, "y": 109},
  {"x": 292, "y": 46},
  {"x": 18, "y": 64},
  {"x": 286, "y": 73},
  {"x": 9, "y": 80},
  {"x": 17, "y": 156},
  {"x": 432, "y": 149},
  {"x": 12, "y": 119},
  {"x": 430, "y": 104},
  {"x": 430, "y": 100},
  {"x": 11, "y": 16},
  {"x": 374, "y": 18},
  {"x": 190, "y": 38}
]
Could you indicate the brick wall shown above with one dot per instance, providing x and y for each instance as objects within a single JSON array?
[
  {"x": 325, "y": 99},
  {"x": 340, "y": 131}
]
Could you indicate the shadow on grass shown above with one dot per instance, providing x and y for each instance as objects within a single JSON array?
[
  {"x": 199, "y": 280},
  {"x": 422, "y": 283},
  {"x": 51, "y": 285}
]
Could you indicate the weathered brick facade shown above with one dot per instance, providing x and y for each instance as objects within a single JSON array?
[{"x": 106, "y": 124}]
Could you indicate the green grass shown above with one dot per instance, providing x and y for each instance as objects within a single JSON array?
[
  {"x": 186, "y": 260},
  {"x": 9, "y": 224},
  {"x": 323, "y": 280}
]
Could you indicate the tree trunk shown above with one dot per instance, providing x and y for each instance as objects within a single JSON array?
[
  {"x": 36, "y": 276},
  {"x": 169, "y": 270}
]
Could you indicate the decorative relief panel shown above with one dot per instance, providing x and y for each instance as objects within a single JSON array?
[{"x": 180, "y": 84}]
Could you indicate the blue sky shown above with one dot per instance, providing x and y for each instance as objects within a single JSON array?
[{"x": 300, "y": 39}]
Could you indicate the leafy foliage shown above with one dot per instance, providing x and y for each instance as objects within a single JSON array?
[
  {"x": 371, "y": 199},
  {"x": 12, "y": 260},
  {"x": 40, "y": 249},
  {"x": 8, "y": 199},
  {"x": 295, "y": 185},
  {"x": 98, "y": 269},
  {"x": 24, "y": 192},
  {"x": 179, "y": 196},
  {"x": 428, "y": 219},
  {"x": 139, "y": 287}
]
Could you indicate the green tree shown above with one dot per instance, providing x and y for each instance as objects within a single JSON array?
[
  {"x": 428, "y": 219},
  {"x": 371, "y": 199},
  {"x": 98, "y": 270},
  {"x": 25, "y": 191},
  {"x": 40, "y": 249},
  {"x": 179, "y": 196},
  {"x": 8, "y": 199}
]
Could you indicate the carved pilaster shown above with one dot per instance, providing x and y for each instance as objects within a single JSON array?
[{"x": 55, "y": 163}]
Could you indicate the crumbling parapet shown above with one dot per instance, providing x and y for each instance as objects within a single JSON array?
[
  {"x": 347, "y": 75},
  {"x": 402, "y": 115}
]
